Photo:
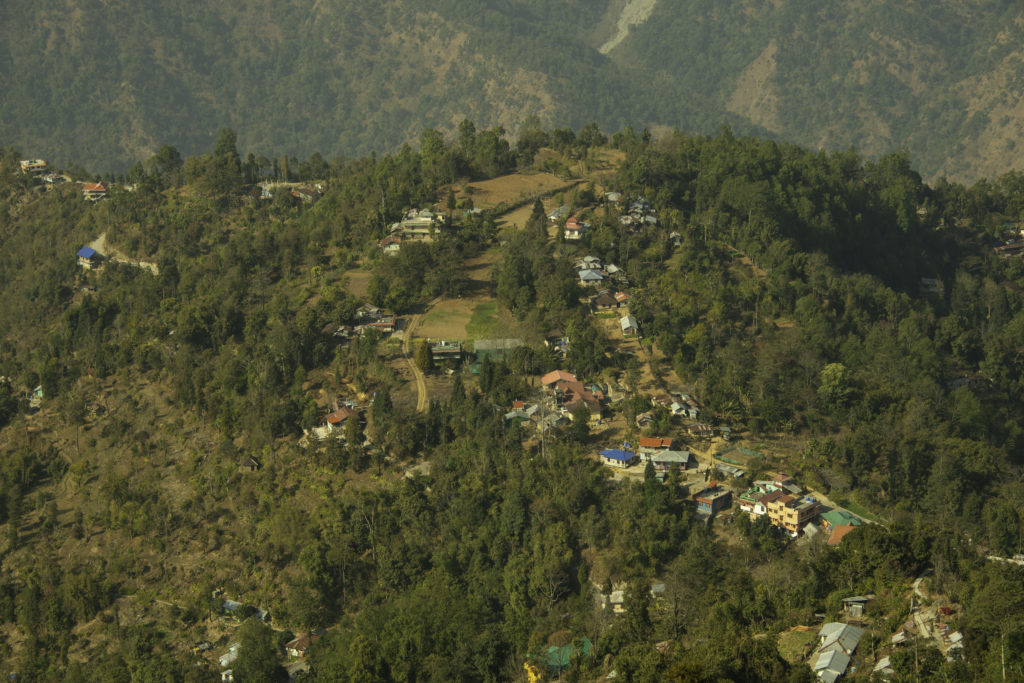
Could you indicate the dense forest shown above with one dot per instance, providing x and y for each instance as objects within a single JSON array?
[
  {"x": 784, "y": 285},
  {"x": 103, "y": 84}
]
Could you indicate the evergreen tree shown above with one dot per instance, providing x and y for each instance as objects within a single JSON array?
[{"x": 424, "y": 358}]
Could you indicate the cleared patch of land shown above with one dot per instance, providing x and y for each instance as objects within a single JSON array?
[
  {"x": 357, "y": 282},
  {"x": 509, "y": 189}
]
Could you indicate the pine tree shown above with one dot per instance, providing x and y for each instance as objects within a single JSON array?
[{"x": 424, "y": 358}]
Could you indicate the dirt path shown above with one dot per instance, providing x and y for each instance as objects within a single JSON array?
[
  {"x": 421, "y": 384},
  {"x": 111, "y": 254}
]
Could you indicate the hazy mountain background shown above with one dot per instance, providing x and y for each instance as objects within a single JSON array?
[{"x": 106, "y": 82}]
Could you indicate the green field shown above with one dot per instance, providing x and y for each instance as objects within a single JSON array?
[{"x": 484, "y": 321}]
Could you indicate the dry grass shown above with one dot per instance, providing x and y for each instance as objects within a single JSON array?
[
  {"x": 488, "y": 194},
  {"x": 357, "y": 282}
]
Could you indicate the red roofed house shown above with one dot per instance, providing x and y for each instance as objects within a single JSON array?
[
  {"x": 574, "y": 230},
  {"x": 94, "y": 191},
  {"x": 556, "y": 376},
  {"x": 338, "y": 418},
  {"x": 839, "y": 532},
  {"x": 653, "y": 444}
]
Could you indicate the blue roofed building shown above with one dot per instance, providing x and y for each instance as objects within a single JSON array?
[
  {"x": 89, "y": 257},
  {"x": 615, "y": 457}
]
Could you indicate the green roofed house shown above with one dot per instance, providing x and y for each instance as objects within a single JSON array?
[
  {"x": 558, "y": 659},
  {"x": 839, "y": 517}
]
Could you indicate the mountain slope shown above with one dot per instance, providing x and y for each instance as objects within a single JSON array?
[{"x": 109, "y": 82}]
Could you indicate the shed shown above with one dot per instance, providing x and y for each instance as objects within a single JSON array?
[{"x": 629, "y": 325}]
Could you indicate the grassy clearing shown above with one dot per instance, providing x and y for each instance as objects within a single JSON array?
[
  {"x": 794, "y": 644},
  {"x": 858, "y": 510},
  {"x": 484, "y": 320}
]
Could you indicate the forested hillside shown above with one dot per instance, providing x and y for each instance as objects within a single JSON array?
[
  {"x": 194, "y": 429},
  {"x": 102, "y": 84}
]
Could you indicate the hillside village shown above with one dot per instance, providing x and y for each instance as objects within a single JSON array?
[{"x": 541, "y": 356}]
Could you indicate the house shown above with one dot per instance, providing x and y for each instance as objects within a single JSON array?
[
  {"x": 629, "y": 325},
  {"x": 573, "y": 394},
  {"x": 854, "y": 606},
  {"x": 884, "y": 667},
  {"x": 339, "y": 416},
  {"x": 836, "y": 636},
  {"x": 614, "y": 457},
  {"x": 839, "y": 517},
  {"x": 621, "y": 298},
  {"x": 644, "y": 419},
  {"x": 299, "y": 647},
  {"x": 590, "y": 277},
  {"x": 89, "y": 258},
  {"x": 836, "y": 645},
  {"x": 712, "y": 499},
  {"x": 228, "y": 658},
  {"x": 558, "y": 214},
  {"x": 385, "y": 324},
  {"x": 603, "y": 302},
  {"x": 616, "y": 600},
  {"x": 700, "y": 430},
  {"x": 446, "y": 350},
  {"x": 250, "y": 463},
  {"x": 838, "y": 533},
  {"x": 791, "y": 513},
  {"x": 613, "y": 197},
  {"x": 551, "y": 421},
  {"x": 306, "y": 194},
  {"x": 829, "y": 666},
  {"x": 574, "y": 230},
  {"x": 654, "y": 444},
  {"x": 33, "y": 166},
  {"x": 664, "y": 461},
  {"x": 734, "y": 472},
  {"x": 551, "y": 379},
  {"x": 227, "y": 676},
  {"x": 94, "y": 191},
  {"x": 391, "y": 245}
]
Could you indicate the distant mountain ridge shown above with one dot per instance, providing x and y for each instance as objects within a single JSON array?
[{"x": 109, "y": 82}]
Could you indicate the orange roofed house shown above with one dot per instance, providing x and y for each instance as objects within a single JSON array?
[{"x": 94, "y": 191}]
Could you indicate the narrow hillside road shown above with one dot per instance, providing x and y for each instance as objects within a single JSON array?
[
  {"x": 100, "y": 245},
  {"x": 422, "y": 400}
]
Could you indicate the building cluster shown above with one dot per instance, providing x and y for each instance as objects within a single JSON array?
[
  {"x": 417, "y": 224},
  {"x": 562, "y": 400},
  {"x": 836, "y": 645},
  {"x": 367, "y": 317},
  {"x": 593, "y": 273},
  {"x": 659, "y": 451},
  {"x": 639, "y": 214},
  {"x": 781, "y": 500}
]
